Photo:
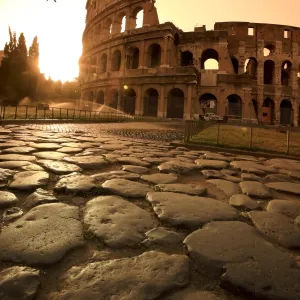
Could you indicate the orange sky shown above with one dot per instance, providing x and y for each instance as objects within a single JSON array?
[{"x": 59, "y": 25}]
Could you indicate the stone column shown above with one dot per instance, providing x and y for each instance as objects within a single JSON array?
[
  {"x": 139, "y": 101},
  {"x": 246, "y": 104},
  {"x": 142, "y": 62},
  {"x": 162, "y": 107},
  {"x": 165, "y": 58},
  {"x": 260, "y": 72},
  {"x": 277, "y": 74},
  {"x": 296, "y": 113},
  {"x": 188, "y": 104}
]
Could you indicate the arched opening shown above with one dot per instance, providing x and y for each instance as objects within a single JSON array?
[
  {"x": 138, "y": 17},
  {"x": 113, "y": 103},
  {"x": 235, "y": 64},
  {"x": 269, "y": 49},
  {"x": 116, "y": 61},
  {"x": 286, "y": 70},
  {"x": 209, "y": 60},
  {"x": 208, "y": 103},
  {"x": 151, "y": 103},
  {"x": 100, "y": 97},
  {"x": 285, "y": 112},
  {"x": 94, "y": 66},
  {"x": 154, "y": 56},
  {"x": 123, "y": 24},
  {"x": 250, "y": 67},
  {"x": 103, "y": 63},
  {"x": 90, "y": 96},
  {"x": 133, "y": 58},
  {"x": 268, "y": 111},
  {"x": 175, "y": 107},
  {"x": 129, "y": 101},
  {"x": 269, "y": 67},
  {"x": 234, "y": 106},
  {"x": 107, "y": 30},
  {"x": 254, "y": 109},
  {"x": 187, "y": 58}
]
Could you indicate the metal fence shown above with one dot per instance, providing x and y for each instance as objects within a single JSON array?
[{"x": 244, "y": 136}]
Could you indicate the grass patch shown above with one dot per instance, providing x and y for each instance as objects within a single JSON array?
[{"x": 263, "y": 139}]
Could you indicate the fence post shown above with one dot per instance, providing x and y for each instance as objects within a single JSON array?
[
  {"x": 60, "y": 113},
  {"x": 26, "y": 112},
  {"x": 67, "y": 113},
  {"x": 251, "y": 134},
  {"x": 44, "y": 113},
  {"x": 52, "y": 113},
  {"x": 36, "y": 109},
  {"x": 288, "y": 142},
  {"x": 74, "y": 114},
  {"x": 218, "y": 134},
  {"x": 4, "y": 108},
  {"x": 16, "y": 111}
]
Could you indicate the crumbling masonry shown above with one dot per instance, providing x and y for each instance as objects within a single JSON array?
[{"x": 157, "y": 69}]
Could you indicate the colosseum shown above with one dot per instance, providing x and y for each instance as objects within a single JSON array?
[{"x": 241, "y": 70}]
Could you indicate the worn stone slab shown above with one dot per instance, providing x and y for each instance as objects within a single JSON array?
[
  {"x": 135, "y": 169},
  {"x": 287, "y": 207},
  {"x": 59, "y": 167},
  {"x": 277, "y": 228},
  {"x": 255, "y": 189},
  {"x": 40, "y": 196},
  {"x": 227, "y": 187},
  {"x": 75, "y": 183},
  {"x": 287, "y": 187},
  {"x": 211, "y": 164},
  {"x": 7, "y": 199},
  {"x": 16, "y": 157},
  {"x": 12, "y": 143},
  {"x": 77, "y": 145},
  {"x": 133, "y": 161},
  {"x": 177, "y": 166},
  {"x": 243, "y": 201},
  {"x": 12, "y": 213},
  {"x": 213, "y": 174},
  {"x": 29, "y": 180},
  {"x": 277, "y": 178},
  {"x": 87, "y": 162},
  {"x": 33, "y": 239},
  {"x": 13, "y": 164},
  {"x": 19, "y": 283},
  {"x": 19, "y": 150},
  {"x": 69, "y": 150},
  {"x": 286, "y": 164},
  {"x": 217, "y": 156},
  {"x": 233, "y": 178},
  {"x": 252, "y": 167},
  {"x": 101, "y": 177},
  {"x": 189, "y": 189},
  {"x": 218, "y": 244},
  {"x": 128, "y": 278},
  {"x": 45, "y": 146},
  {"x": 116, "y": 221},
  {"x": 50, "y": 155},
  {"x": 126, "y": 188},
  {"x": 112, "y": 147},
  {"x": 189, "y": 211},
  {"x": 160, "y": 178},
  {"x": 32, "y": 167},
  {"x": 250, "y": 177},
  {"x": 5, "y": 175}
]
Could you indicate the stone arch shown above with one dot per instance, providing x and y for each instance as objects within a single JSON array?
[
  {"x": 269, "y": 68},
  {"x": 100, "y": 97},
  {"x": 175, "y": 107},
  {"x": 90, "y": 96},
  {"x": 269, "y": 50},
  {"x": 234, "y": 103},
  {"x": 108, "y": 27},
  {"x": 98, "y": 31},
  {"x": 103, "y": 63},
  {"x": 250, "y": 67},
  {"x": 187, "y": 58},
  {"x": 286, "y": 72},
  {"x": 268, "y": 111},
  {"x": 208, "y": 103},
  {"x": 116, "y": 60},
  {"x": 286, "y": 112},
  {"x": 151, "y": 102},
  {"x": 154, "y": 56},
  {"x": 129, "y": 101},
  {"x": 133, "y": 58},
  {"x": 254, "y": 108},
  {"x": 123, "y": 23},
  {"x": 208, "y": 57},
  {"x": 138, "y": 17},
  {"x": 235, "y": 64},
  {"x": 114, "y": 98}
]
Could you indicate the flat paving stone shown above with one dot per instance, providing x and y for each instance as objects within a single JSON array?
[
  {"x": 213, "y": 174},
  {"x": 286, "y": 164},
  {"x": 13, "y": 164},
  {"x": 29, "y": 180},
  {"x": 217, "y": 156},
  {"x": 7, "y": 199},
  {"x": 128, "y": 278},
  {"x": 126, "y": 188},
  {"x": 218, "y": 244},
  {"x": 33, "y": 239},
  {"x": 19, "y": 283},
  {"x": 287, "y": 207},
  {"x": 177, "y": 166},
  {"x": 59, "y": 167},
  {"x": 10, "y": 144},
  {"x": 255, "y": 189},
  {"x": 69, "y": 150},
  {"x": 77, "y": 145},
  {"x": 160, "y": 178},
  {"x": 133, "y": 161},
  {"x": 277, "y": 178},
  {"x": 243, "y": 201},
  {"x": 227, "y": 187},
  {"x": 189, "y": 189},
  {"x": 211, "y": 164},
  {"x": 39, "y": 197},
  {"x": 87, "y": 162},
  {"x": 276, "y": 227},
  {"x": 101, "y": 177},
  {"x": 16, "y": 157},
  {"x": 32, "y": 167},
  {"x": 12, "y": 213},
  {"x": 50, "y": 155},
  {"x": 117, "y": 222},
  {"x": 287, "y": 187},
  {"x": 75, "y": 183},
  {"x": 112, "y": 147},
  {"x": 135, "y": 169},
  {"x": 253, "y": 167},
  {"x": 19, "y": 150},
  {"x": 45, "y": 146},
  {"x": 5, "y": 175},
  {"x": 250, "y": 177},
  {"x": 189, "y": 211}
]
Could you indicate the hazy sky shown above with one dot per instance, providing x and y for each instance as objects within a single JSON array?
[{"x": 59, "y": 25}]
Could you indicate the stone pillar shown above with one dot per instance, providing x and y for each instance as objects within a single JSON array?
[
  {"x": 246, "y": 104},
  {"x": 142, "y": 63},
  {"x": 296, "y": 108},
  {"x": 277, "y": 101},
  {"x": 139, "y": 108},
  {"x": 260, "y": 72},
  {"x": 260, "y": 101},
  {"x": 294, "y": 77},
  {"x": 162, "y": 107},
  {"x": 188, "y": 103},
  {"x": 166, "y": 52},
  {"x": 109, "y": 58},
  {"x": 277, "y": 74}
]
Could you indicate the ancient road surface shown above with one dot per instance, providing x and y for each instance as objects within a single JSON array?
[{"x": 87, "y": 213}]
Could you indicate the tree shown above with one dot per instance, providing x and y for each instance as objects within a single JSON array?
[{"x": 34, "y": 52}]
